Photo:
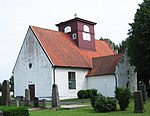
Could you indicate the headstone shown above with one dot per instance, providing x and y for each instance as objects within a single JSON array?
[
  {"x": 142, "y": 87},
  {"x": 17, "y": 103},
  {"x": 138, "y": 102},
  {"x": 5, "y": 93},
  {"x": 27, "y": 97},
  {"x": 44, "y": 103},
  {"x": 36, "y": 102},
  {"x": 1, "y": 113},
  {"x": 55, "y": 96}
]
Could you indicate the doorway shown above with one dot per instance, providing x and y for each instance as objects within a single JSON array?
[{"x": 32, "y": 92}]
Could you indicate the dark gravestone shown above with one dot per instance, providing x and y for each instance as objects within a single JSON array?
[
  {"x": 36, "y": 102},
  {"x": 5, "y": 93},
  {"x": 1, "y": 113},
  {"x": 27, "y": 97},
  {"x": 55, "y": 96},
  {"x": 142, "y": 87},
  {"x": 138, "y": 102},
  {"x": 44, "y": 103}
]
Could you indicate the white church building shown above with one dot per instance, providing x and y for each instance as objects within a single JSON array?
[{"x": 71, "y": 58}]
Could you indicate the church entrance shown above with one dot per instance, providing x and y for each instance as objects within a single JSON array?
[{"x": 32, "y": 92}]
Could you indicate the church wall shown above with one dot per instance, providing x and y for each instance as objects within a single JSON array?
[
  {"x": 125, "y": 74},
  {"x": 39, "y": 72},
  {"x": 105, "y": 84},
  {"x": 61, "y": 79}
]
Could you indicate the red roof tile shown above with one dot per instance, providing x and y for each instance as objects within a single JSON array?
[
  {"x": 62, "y": 51},
  {"x": 104, "y": 65}
]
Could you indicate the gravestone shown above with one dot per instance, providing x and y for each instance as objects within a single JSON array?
[
  {"x": 27, "y": 97},
  {"x": 17, "y": 103},
  {"x": 55, "y": 96},
  {"x": 5, "y": 93},
  {"x": 138, "y": 102},
  {"x": 1, "y": 113},
  {"x": 36, "y": 102},
  {"x": 142, "y": 87},
  {"x": 44, "y": 103}
]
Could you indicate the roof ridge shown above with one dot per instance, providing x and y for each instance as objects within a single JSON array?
[
  {"x": 109, "y": 55},
  {"x": 46, "y": 29}
]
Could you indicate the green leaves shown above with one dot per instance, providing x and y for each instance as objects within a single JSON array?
[{"x": 139, "y": 40}]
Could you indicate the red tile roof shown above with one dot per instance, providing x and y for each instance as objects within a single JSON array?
[
  {"x": 104, "y": 65},
  {"x": 62, "y": 51}
]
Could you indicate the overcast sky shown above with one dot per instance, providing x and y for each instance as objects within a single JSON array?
[{"x": 112, "y": 18}]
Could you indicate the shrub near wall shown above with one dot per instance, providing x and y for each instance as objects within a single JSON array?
[
  {"x": 82, "y": 94},
  {"x": 123, "y": 96},
  {"x": 14, "y": 111},
  {"x": 104, "y": 104}
]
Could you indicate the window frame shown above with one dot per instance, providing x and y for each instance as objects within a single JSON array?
[
  {"x": 67, "y": 29},
  {"x": 71, "y": 80},
  {"x": 86, "y": 33}
]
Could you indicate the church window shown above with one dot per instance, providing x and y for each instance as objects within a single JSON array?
[
  {"x": 74, "y": 36},
  {"x": 71, "y": 80},
  {"x": 30, "y": 65},
  {"x": 67, "y": 29},
  {"x": 86, "y": 28},
  {"x": 86, "y": 33}
]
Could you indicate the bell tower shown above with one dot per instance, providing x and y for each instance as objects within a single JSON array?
[{"x": 81, "y": 32}]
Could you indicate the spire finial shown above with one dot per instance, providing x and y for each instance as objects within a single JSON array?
[{"x": 75, "y": 15}]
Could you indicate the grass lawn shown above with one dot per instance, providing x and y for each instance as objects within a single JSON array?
[{"x": 88, "y": 111}]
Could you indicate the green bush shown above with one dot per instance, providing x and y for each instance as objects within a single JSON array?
[
  {"x": 14, "y": 111},
  {"x": 123, "y": 96},
  {"x": 93, "y": 96},
  {"x": 94, "y": 92},
  {"x": 93, "y": 99},
  {"x": 82, "y": 94},
  {"x": 103, "y": 104},
  {"x": 88, "y": 91}
]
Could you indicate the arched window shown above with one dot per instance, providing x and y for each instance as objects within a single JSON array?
[
  {"x": 86, "y": 33},
  {"x": 86, "y": 28},
  {"x": 67, "y": 29}
]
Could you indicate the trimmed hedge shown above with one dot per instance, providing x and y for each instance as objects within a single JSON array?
[
  {"x": 88, "y": 93},
  {"x": 82, "y": 94},
  {"x": 14, "y": 111},
  {"x": 94, "y": 92}
]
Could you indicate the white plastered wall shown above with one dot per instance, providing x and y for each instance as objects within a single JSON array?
[
  {"x": 39, "y": 74},
  {"x": 125, "y": 74},
  {"x": 105, "y": 84},
  {"x": 61, "y": 79}
]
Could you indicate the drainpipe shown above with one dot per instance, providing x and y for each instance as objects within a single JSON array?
[
  {"x": 115, "y": 80},
  {"x": 54, "y": 73}
]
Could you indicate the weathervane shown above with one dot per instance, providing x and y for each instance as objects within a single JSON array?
[{"x": 75, "y": 15}]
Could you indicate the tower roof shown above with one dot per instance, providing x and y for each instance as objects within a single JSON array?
[{"x": 76, "y": 19}]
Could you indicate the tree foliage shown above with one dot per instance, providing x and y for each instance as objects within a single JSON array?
[
  {"x": 139, "y": 41},
  {"x": 11, "y": 83},
  {"x": 121, "y": 48}
]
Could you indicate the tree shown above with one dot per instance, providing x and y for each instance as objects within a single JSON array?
[
  {"x": 11, "y": 83},
  {"x": 111, "y": 43},
  {"x": 122, "y": 47},
  {"x": 139, "y": 42}
]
